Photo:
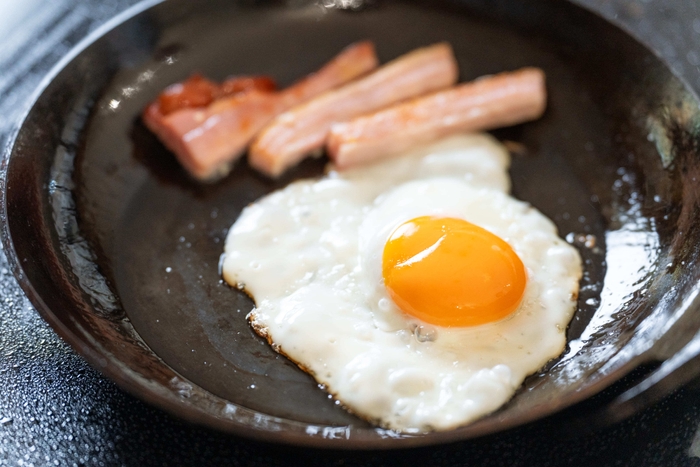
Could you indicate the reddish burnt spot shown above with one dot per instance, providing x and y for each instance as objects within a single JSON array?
[
  {"x": 198, "y": 91},
  {"x": 195, "y": 91},
  {"x": 247, "y": 83}
]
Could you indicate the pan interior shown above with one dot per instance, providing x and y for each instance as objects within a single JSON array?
[{"x": 592, "y": 164}]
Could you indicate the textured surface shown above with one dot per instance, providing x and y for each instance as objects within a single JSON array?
[{"x": 56, "y": 410}]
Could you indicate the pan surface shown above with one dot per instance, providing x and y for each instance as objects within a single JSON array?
[{"x": 119, "y": 249}]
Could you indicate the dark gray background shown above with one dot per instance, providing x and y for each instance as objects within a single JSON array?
[{"x": 56, "y": 410}]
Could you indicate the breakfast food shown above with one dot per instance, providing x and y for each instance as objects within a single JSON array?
[
  {"x": 207, "y": 140},
  {"x": 198, "y": 91},
  {"x": 415, "y": 289},
  {"x": 489, "y": 102},
  {"x": 303, "y": 129},
  {"x": 356, "y": 118}
]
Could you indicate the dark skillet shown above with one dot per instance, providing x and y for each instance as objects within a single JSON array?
[{"x": 117, "y": 248}]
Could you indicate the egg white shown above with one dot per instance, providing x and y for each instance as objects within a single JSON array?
[{"x": 310, "y": 255}]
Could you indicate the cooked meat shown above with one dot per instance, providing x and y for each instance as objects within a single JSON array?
[
  {"x": 207, "y": 140},
  {"x": 303, "y": 129},
  {"x": 489, "y": 102}
]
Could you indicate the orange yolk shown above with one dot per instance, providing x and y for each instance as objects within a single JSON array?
[{"x": 449, "y": 272}]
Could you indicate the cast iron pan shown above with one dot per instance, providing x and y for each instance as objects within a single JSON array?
[{"x": 118, "y": 249}]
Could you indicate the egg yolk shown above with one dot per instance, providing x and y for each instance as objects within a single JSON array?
[{"x": 450, "y": 272}]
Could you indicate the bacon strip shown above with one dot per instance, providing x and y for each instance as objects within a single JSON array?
[
  {"x": 206, "y": 141},
  {"x": 303, "y": 129},
  {"x": 489, "y": 102},
  {"x": 197, "y": 91}
]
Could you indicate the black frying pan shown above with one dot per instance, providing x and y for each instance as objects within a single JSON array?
[{"x": 117, "y": 248}]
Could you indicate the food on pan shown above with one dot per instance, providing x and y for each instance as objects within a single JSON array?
[
  {"x": 303, "y": 129},
  {"x": 414, "y": 289},
  {"x": 357, "y": 118},
  {"x": 197, "y": 91},
  {"x": 207, "y": 140},
  {"x": 487, "y": 103}
]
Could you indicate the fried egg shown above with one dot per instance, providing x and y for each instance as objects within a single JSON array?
[{"x": 415, "y": 290}]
